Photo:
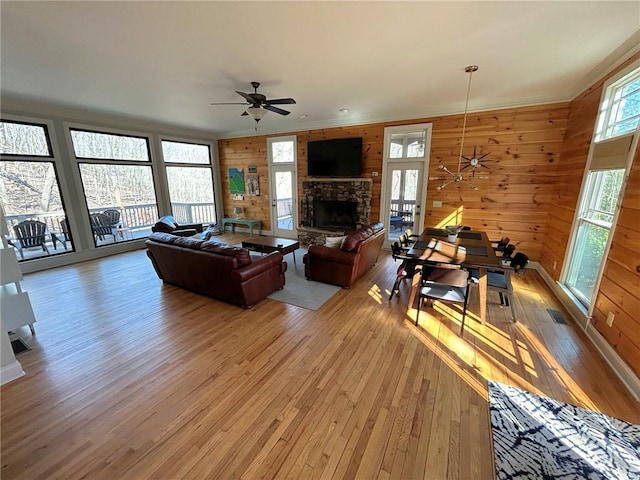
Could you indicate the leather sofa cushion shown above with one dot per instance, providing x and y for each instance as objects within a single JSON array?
[
  {"x": 189, "y": 242},
  {"x": 241, "y": 254},
  {"x": 162, "y": 237}
]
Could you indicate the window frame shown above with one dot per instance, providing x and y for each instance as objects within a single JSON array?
[
  {"x": 608, "y": 106},
  {"x": 61, "y": 181},
  {"x": 78, "y": 161},
  {"x": 585, "y": 198},
  {"x": 47, "y": 136},
  {"x": 210, "y": 165}
]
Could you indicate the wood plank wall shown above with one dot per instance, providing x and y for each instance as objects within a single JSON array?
[
  {"x": 619, "y": 291},
  {"x": 515, "y": 199}
]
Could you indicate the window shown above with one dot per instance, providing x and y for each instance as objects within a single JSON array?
[
  {"x": 190, "y": 179},
  {"x": 595, "y": 219},
  {"x": 118, "y": 184},
  {"x": 282, "y": 151},
  {"x": 407, "y": 145},
  {"x": 617, "y": 120},
  {"x": 29, "y": 191},
  {"x": 620, "y": 111}
]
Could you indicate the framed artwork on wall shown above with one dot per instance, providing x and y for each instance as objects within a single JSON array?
[
  {"x": 253, "y": 185},
  {"x": 236, "y": 180}
]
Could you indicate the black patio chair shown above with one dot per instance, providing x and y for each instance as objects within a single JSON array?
[
  {"x": 30, "y": 234},
  {"x": 114, "y": 216},
  {"x": 101, "y": 226}
]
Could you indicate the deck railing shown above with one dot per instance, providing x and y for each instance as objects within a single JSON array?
[{"x": 138, "y": 220}]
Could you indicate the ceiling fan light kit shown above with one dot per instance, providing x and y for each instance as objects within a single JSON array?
[
  {"x": 474, "y": 162},
  {"x": 259, "y": 104}
]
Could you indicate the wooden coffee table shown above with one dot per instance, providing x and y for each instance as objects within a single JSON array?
[{"x": 272, "y": 244}]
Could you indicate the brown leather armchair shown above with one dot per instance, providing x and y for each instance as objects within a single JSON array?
[{"x": 343, "y": 266}]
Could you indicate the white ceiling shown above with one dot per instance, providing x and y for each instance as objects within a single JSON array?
[{"x": 167, "y": 61}]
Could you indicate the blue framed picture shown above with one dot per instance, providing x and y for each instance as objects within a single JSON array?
[{"x": 236, "y": 180}]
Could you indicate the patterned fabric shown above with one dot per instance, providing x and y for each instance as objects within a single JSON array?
[{"x": 538, "y": 438}]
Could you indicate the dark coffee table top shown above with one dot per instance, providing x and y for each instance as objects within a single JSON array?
[{"x": 274, "y": 242}]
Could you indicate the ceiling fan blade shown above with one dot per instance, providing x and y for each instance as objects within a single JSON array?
[
  {"x": 276, "y": 110},
  {"x": 249, "y": 98},
  {"x": 230, "y": 103},
  {"x": 281, "y": 101}
]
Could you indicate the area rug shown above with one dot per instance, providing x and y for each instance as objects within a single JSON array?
[
  {"x": 302, "y": 292},
  {"x": 539, "y": 438}
]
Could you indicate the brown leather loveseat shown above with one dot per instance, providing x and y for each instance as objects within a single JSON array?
[
  {"x": 215, "y": 269},
  {"x": 344, "y": 265}
]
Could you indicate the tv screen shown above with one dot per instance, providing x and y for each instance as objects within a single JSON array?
[{"x": 341, "y": 157}]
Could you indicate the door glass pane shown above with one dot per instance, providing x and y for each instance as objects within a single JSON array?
[
  {"x": 404, "y": 192},
  {"x": 191, "y": 193},
  {"x": 126, "y": 189},
  {"x": 282, "y": 152},
  {"x": 284, "y": 200},
  {"x": 30, "y": 191}
]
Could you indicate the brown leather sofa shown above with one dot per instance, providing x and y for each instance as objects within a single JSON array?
[
  {"x": 168, "y": 224},
  {"x": 343, "y": 266},
  {"x": 216, "y": 269}
]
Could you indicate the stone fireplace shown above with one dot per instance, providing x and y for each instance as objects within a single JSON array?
[
  {"x": 330, "y": 206},
  {"x": 334, "y": 214}
]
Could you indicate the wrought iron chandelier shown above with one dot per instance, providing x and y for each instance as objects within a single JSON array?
[{"x": 474, "y": 162}]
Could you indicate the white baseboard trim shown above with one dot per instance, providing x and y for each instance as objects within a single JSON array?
[
  {"x": 617, "y": 364},
  {"x": 10, "y": 372}
]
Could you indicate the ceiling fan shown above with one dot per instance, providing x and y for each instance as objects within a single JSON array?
[{"x": 259, "y": 104}]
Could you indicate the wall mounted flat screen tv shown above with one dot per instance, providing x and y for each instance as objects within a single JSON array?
[{"x": 341, "y": 157}]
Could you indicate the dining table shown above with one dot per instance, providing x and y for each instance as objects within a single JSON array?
[{"x": 471, "y": 249}]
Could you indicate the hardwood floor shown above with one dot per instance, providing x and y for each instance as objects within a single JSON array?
[{"x": 132, "y": 379}]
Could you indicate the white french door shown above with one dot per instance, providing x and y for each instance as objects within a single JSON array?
[
  {"x": 405, "y": 161},
  {"x": 283, "y": 186}
]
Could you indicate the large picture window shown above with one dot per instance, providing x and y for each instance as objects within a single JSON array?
[
  {"x": 190, "y": 179},
  {"x": 118, "y": 185},
  {"x": 617, "y": 120},
  {"x": 30, "y": 194}
]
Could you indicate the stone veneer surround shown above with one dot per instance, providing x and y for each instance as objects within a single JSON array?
[
  {"x": 357, "y": 190},
  {"x": 347, "y": 190}
]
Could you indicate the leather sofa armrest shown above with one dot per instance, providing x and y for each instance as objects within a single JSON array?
[
  {"x": 256, "y": 267},
  {"x": 331, "y": 254}
]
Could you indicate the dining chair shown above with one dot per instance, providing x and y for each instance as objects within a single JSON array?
[
  {"x": 500, "y": 279},
  {"x": 448, "y": 285},
  {"x": 407, "y": 268},
  {"x": 500, "y": 245},
  {"x": 30, "y": 234}
]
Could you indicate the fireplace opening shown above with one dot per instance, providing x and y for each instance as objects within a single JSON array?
[{"x": 332, "y": 214}]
